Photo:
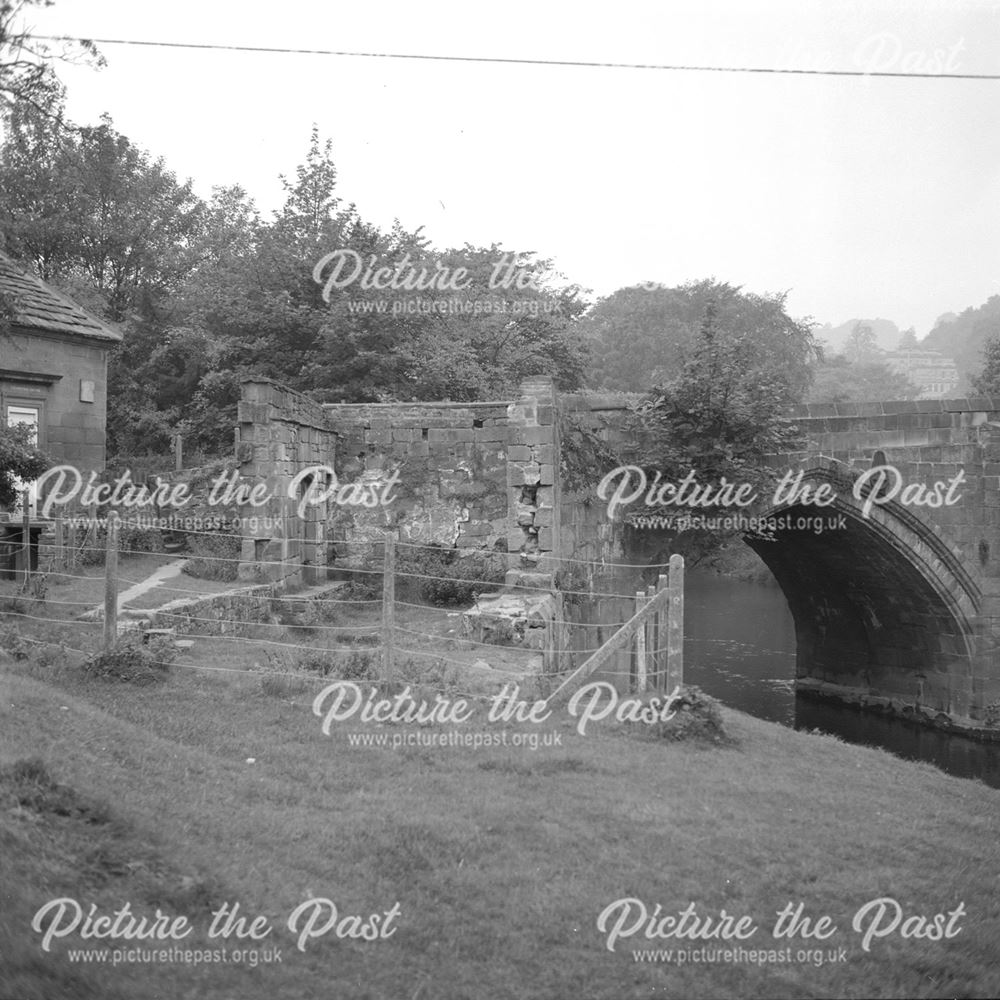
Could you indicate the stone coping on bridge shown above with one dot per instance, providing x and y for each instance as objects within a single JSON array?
[{"x": 894, "y": 407}]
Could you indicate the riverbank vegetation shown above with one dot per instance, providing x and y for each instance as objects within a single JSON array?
[{"x": 204, "y": 790}]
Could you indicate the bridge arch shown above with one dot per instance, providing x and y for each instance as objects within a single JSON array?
[{"x": 884, "y": 612}]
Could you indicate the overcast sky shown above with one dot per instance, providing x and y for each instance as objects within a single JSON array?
[{"x": 859, "y": 196}]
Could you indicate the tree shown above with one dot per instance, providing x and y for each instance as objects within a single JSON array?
[
  {"x": 19, "y": 460},
  {"x": 908, "y": 340},
  {"x": 964, "y": 337},
  {"x": 721, "y": 413},
  {"x": 636, "y": 332},
  {"x": 640, "y": 335},
  {"x": 500, "y": 332},
  {"x": 91, "y": 205},
  {"x": 987, "y": 382},
  {"x": 837, "y": 380},
  {"x": 861, "y": 344},
  {"x": 41, "y": 216},
  {"x": 26, "y": 73}
]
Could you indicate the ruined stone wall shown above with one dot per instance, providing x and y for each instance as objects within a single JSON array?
[
  {"x": 449, "y": 462},
  {"x": 280, "y": 433}
]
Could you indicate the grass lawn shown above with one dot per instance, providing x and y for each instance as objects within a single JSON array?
[
  {"x": 69, "y": 595},
  {"x": 496, "y": 861},
  {"x": 180, "y": 587}
]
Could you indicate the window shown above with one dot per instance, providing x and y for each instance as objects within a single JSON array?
[{"x": 18, "y": 414}]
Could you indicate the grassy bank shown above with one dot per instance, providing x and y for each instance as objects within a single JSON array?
[{"x": 204, "y": 790}]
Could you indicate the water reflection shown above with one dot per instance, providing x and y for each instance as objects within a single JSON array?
[{"x": 740, "y": 648}]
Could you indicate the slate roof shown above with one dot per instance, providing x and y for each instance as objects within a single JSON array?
[{"x": 37, "y": 306}]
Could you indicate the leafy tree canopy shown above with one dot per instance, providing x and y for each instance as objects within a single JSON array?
[
  {"x": 987, "y": 381},
  {"x": 838, "y": 380},
  {"x": 641, "y": 335},
  {"x": 208, "y": 293},
  {"x": 964, "y": 337},
  {"x": 27, "y": 76},
  {"x": 19, "y": 459},
  {"x": 721, "y": 411}
]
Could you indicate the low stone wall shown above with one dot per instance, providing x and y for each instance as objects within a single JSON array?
[{"x": 232, "y": 612}]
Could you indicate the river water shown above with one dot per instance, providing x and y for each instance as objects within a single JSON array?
[{"x": 739, "y": 647}]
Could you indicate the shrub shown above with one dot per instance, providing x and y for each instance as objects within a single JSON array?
[
  {"x": 357, "y": 590},
  {"x": 449, "y": 579},
  {"x": 50, "y": 655},
  {"x": 215, "y": 557},
  {"x": 359, "y": 665},
  {"x": 133, "y": 661},
  {"x": 30, "y": 785},
  {"x": 131, "y": 540},
  {"x": 697, "y": 718},
  {"x": 356, "y": 665},
  {"x": 13, "y": 643},
  {"x": 281, "y": 686}
]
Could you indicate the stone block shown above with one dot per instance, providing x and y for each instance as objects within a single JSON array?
[
  {"x": 535, "y": 435},
  {"x": 478, "y": 529},
  {"x": 544, "y": 454},
  {"x": 543, "y": 517}
]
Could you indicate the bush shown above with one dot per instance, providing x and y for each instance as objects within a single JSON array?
[
  {"x": 280, "y": 686},
  {"x": 448, "y": 579},
  {"x": 357, "y": 665},
  {"x": 133, "y": 661},
  {"x": 51, "y": 655},
  {"x": 358, "y": 590},
  {"x": 131, "y": 540},
  {"x": 13, "y": 643},
  {"x": 29, "y": 785},
  {"x": 214, "y": 557},
  {"x": 697, "y": 718}
]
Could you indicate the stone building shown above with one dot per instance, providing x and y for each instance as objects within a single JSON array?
[
  {"x": 53, "y": 368},
  {"x": 930, "y": 371}
]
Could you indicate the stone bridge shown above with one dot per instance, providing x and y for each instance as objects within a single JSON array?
[{"x": 897, "y": 607}]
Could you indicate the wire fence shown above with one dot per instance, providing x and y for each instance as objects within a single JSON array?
[{"x": 390, "y": 606}]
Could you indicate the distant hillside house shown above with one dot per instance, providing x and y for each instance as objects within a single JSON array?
[
  {"x": 930, "y": 371},
  {"x": 53, "y": 368}
]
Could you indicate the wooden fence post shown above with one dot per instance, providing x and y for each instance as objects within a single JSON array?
[
  {"x": 60, "y": 544},
  {"x": 111, "y": 581},
  {"x": 652, "y": 653},
  {"x": 25, "y": 538},
  {"x": 641, "y": 670},
  {"x": 675, "y": 623},
  {"x": 388, "y": 606},
  {"x": 661, "y": 635}
]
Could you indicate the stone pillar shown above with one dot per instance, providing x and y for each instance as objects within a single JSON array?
[
  {"x": 281, "y": 432},
  {"x": 533, "y": 476}
]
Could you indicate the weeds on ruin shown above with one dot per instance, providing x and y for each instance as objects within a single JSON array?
[
  {"x": 446, "y": 579},
  {"x": 213, "y": 557}
]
